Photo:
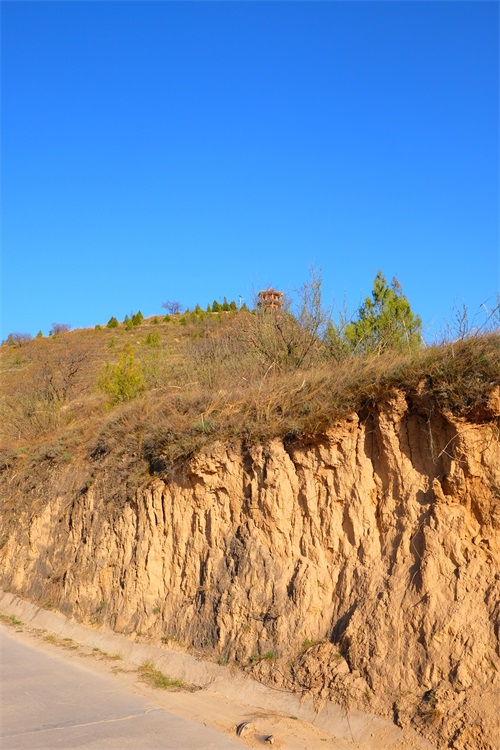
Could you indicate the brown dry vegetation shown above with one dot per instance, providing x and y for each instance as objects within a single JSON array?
[{"x": 207, "y": 379}]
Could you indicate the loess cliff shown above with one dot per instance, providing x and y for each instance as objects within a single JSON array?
[{"x": 360, "y": 564}]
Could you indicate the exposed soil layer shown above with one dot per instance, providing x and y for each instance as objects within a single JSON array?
[{"x": 360, "y": 565}]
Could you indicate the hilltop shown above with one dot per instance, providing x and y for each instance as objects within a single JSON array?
[{"x": 172, "y": 385}]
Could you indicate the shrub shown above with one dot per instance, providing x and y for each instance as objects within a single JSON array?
[
  {"x": 286, "y": 340},
  {"x": 112, "y": 323},
  {"x": 152, "y": 339},
  {"x": 123, "y": 381}
]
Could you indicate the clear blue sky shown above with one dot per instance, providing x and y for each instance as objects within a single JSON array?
[{"x": 191, "y": 150}]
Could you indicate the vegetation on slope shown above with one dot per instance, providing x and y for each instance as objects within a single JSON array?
[{"x": 157, "y": 390}]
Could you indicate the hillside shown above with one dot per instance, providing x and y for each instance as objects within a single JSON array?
[{"x": 330, "y": 527}]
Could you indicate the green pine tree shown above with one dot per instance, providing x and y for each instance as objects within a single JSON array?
[{"x": 386, "y": 321}]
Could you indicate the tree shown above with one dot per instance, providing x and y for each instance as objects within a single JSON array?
[
  {"x": 385, "y": 321},
  {"x": 135, "y": 320},
  {"x": 173, "y": 307},
  {"x": 123, "y": 381},
  {"x": 112, "y": 323},
  {"x": 216, "y": 306},
  {"x": 59, "y": 328},
  {"x": 17, "y": 339}
]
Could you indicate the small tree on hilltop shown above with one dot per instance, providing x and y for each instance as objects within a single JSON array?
[
  {"x": 17, "y": 339},
  {"x": 58, "y": 328},
  {"x": 173, "y": 307},
  {"x": 385, "y": 321}
]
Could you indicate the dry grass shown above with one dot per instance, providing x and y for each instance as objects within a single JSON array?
[
  {"x": 55, "y": 640},
  {"x": 206, "y": 382},
  {"x": 10, "y": 620},
  {"x": 153, "y": 677}
]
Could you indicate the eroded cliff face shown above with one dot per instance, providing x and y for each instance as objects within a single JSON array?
[{"x": 362, "y": 564}]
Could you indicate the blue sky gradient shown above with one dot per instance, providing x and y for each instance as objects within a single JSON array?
[{"x": 195, "y": 150}]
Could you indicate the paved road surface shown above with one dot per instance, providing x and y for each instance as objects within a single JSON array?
[{"x": 49, "y": 703}]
